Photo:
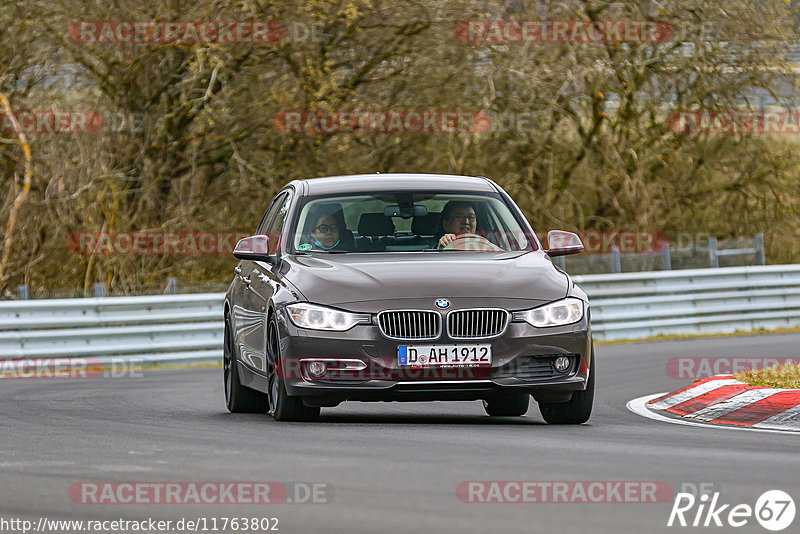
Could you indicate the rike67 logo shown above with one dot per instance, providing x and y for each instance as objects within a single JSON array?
[{"x": 774, "y": 510}]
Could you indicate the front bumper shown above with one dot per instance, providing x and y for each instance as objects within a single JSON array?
[{"x": 521, "y": 361}]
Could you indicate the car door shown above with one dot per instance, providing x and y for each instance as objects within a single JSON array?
[{"x": 249, "y": 309}]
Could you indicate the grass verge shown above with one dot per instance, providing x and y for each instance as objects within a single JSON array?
[
  {"x": 781, "y": 376},
  {"x": 677, "y": 337}
]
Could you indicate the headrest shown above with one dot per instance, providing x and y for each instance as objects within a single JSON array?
[
  {"x": 375, "y": 224},
  {"x": 429, "y": 224},
  {"x": 329, "y": 209}
]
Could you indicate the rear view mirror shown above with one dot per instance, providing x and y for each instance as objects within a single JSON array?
[
  {"x": 406, "y": 212},
  {"x": 255, "y": 248},
  {"x": 562, "y": 243}
]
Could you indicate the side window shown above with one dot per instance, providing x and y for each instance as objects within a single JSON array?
[
  {"x": 273, "y": 207},
  {"x": 275, "y": 225}
]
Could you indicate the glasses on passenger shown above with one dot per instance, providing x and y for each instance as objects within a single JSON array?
[{"x": 325, "y": 228}]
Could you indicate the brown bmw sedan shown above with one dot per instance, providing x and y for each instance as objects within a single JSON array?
[{"x": 404, "y": 287}]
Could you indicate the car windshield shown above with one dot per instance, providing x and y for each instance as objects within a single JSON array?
[{"x": 409, "y": 222}]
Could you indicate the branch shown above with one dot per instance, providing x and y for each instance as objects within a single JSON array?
[{"x": 26, "y": 185}]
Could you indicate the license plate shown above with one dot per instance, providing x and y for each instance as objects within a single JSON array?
[{"x": 444, "y": 355}]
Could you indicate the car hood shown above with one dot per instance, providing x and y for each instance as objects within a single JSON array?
[{"x": 353, "y": 281}]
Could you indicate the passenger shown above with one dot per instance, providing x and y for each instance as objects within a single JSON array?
[{"x": 326, "y": 231}]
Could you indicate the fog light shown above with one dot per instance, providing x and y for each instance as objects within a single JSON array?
[
  {"x": 561, "y": 364},
  {"x": 316, "y": 369}
]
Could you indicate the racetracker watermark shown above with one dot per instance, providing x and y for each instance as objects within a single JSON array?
[
  {"x": 205, "y": 492},
  {"x": 432, "y": 362},
  {"x": 175, "y": 32},
  {"x": 149, "y": 525},
  {"x": 71, "y": 368},
  {"x": 564, "y": 31},
  {"x": 698, "y": 367},
  {"x": 146, "y": 243},
  {"x": 387, "y": 121},
  {"x": 625, "y": 241},
  {"x": 50, "y": 122},
  {"x": 734, "y": 122},
  {"x": 568, "y": 491}
]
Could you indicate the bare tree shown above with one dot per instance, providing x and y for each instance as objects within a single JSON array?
[{"x": 578, "y": 132}]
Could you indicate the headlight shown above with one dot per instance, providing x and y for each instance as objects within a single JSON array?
[
  {"x": 321, "y": 318},
  {"x": 561, "y": 312}
]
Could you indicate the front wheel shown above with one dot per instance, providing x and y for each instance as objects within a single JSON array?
[
  {"x": 281, "y": 405},
  {"x": 238, "y": 398},
  {"x": 575, "y": 411}
]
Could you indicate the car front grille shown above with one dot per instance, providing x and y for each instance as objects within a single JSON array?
[
  {"x": 477, "y": 323},
  {"x": 410, "y": 324}
]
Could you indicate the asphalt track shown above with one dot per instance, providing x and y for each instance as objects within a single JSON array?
[{"x": 392, "y": 467}]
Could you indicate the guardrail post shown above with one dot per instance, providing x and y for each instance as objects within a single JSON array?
[
  {"x": 614, "y": 258},
  {"x": 713, "y": 257},
  {"x": 761, "y": 257},
  {"x": 172, "y": 286},
  {"x": 99, "y": 289},
  {"x": 666, "y": 260},
  {"x": 22, "y": 292}
]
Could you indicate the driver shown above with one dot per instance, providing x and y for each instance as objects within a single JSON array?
[{"x": 458, "y": 217}]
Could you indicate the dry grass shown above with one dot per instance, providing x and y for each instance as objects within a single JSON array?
[
  {"x": 677, "y": 337},
  {"x": 781, "y": 376}
]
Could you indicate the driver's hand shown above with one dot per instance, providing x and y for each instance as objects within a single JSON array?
[{"x": 446, "y": 239}]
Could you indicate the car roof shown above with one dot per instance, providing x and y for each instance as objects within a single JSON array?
[{"x": 355, "y": 183}]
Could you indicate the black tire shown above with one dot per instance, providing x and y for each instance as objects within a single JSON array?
[
  {"x": 575, "y": 411},
  {"x": 282, "y": 407},
  {"x": 507, "y": 405},
  {"x": 238, "y": 398}
]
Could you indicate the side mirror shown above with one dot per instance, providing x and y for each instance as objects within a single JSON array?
[
  {"x": 563, "y": 243},
  {"x": 255, "y": 248}
]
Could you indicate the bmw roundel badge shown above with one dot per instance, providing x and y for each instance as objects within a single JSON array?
[{"x": 442, "y": 303}]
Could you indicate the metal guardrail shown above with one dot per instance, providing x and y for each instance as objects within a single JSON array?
[
  {"x": 155, "y": 329},
  {"x": 696, "y": 301},
  {"x": 189, "y": 329}
]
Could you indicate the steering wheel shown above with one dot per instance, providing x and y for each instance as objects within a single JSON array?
[{"x": 472, "y": 243}]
